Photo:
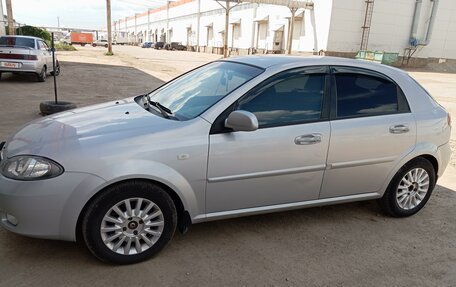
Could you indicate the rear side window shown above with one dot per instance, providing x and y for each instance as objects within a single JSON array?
[
  {"x": 17, "y": 42},
  {"x": 365, "y": 95}
]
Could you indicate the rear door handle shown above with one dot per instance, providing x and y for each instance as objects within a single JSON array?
[
  {"x": 308, "y": 139},
  {"x": 399, "y": 129}
]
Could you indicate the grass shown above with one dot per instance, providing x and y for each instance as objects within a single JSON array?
[
  {"x": 109, "y": 54},
  {"x": 63, "y": 47}
]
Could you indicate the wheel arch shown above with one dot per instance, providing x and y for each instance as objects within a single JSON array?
[{"x": 183, "y": 216}]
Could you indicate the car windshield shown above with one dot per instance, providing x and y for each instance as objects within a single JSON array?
[
  {"x": 17, "y": 41},
  {"x": 193, "y": 93}
]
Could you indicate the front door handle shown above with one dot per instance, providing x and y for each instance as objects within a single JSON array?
[
  {"x": 308, "y": 139},
  {"x": 399, "y": 129}
]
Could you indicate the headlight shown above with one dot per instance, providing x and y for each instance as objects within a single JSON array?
[{"x": 30, "y": 168}]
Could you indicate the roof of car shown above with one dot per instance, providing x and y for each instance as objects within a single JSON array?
[
  {"x": 266, "y": 61},
  {"x": 17, "y": 36}
]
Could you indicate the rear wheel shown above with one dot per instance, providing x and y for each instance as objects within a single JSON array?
[
  {"x": 129, "y": 222},
  {"x": 410, "y": 189},
  {"x": 106, "y": 45},
  {"x": 41, "y": 77}
]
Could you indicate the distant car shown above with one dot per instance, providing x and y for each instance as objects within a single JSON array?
[
  {"x": 24, "y": 54},
  {"x": 175, "y": 46},
  {"x": 159, "y": 45},
  {"x": 103, "y": 43},
  {"x": 235, "y": 137},
  {"x": 147, "y": 45}
]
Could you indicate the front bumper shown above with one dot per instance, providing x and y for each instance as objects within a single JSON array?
[
  {"x": 26, "y": 66},
  {"x": 46, "y": 208}
]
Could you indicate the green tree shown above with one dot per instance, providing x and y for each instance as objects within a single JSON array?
[{"x": 35, "y": 32}]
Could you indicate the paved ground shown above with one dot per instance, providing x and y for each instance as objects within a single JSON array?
[{"x": 343, "y": 245}]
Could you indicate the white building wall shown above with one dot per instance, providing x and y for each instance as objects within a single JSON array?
[
  {"x": 391, "y": 26},
  {"x": 333, "y": 25},
  {"x": 247, "y": 33}
]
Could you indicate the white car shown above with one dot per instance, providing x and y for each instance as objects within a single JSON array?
[
  {"x": 24, "y": 54},
  {"x": 103, "y": 43},
  {"x": 235, "y": 137}
]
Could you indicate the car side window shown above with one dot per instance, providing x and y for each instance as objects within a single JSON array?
[
  {"x": 46, "y": 47},
  {"x": 365, "y": 95},
  {"x": 42, "y": 45},
  {"x": 290, "y": 98}
]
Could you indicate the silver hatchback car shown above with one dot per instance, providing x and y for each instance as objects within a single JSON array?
[
  {"x": 25, "y": 54},
  {"x": 232, "y": 138}
]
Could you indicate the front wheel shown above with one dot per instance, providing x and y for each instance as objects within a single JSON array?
[
  {"x": 129, "y": 222},
  {"x": 410, "y": 188}
]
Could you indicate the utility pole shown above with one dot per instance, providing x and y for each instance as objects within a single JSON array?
[
  {"x": 148, "y": 25},
  {"x": 168, "y": 39},
  {"x": 9, "y": 12},
  {"x": 290, "y": 29},
  {"x": 108, "y": 16},
  {"x": 225, "y": 36},
  {"x": 2, "y": 24},
  {"x": 58, "y": 22},
  {"x": 227, "y": 19},
  {"x": 198, "y": 27}
]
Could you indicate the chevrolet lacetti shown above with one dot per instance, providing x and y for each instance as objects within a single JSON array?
[{"x": 232, "y": 138}]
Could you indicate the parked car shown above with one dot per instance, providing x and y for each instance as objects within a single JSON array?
[
  {"x": 24, "y": 54},
  {"x": 159, "y": 45},
  {"x": 147, "y": 45},
  {"x": 103, "y": 43},
  {"x": 235, "y": 137},
  {"x": 175, "y": 46}
]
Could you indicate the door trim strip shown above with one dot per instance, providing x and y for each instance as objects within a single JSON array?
[{"x": 267, "y": 173}]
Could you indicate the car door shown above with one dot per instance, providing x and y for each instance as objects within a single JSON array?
[
  {"x": 284, "y": 160},
  {"x": 45, "y": 54},
  {"x": 371, "y": 130}
]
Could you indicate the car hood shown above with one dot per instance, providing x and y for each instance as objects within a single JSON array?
[{"x": 98, "y": 124}]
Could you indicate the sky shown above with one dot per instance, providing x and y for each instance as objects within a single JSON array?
[{"x": 90, "y": 14}]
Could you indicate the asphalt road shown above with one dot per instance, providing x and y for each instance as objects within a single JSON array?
[{"x": 343, "y": 245}]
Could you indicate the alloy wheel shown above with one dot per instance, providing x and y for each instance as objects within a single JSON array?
[
  {"x": 132, "y": 226},
  {"x": 412, "y": 188}
]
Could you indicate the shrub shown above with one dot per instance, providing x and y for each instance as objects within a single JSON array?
[{"x": 35, "y": 32}]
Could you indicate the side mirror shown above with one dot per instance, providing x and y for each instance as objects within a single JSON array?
[{"x": 242, "y": 121}]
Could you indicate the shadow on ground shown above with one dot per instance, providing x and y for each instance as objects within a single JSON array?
[{"x": 341, "y": 245}]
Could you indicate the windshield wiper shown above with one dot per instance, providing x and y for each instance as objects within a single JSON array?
[{"x": 163, "y": 110}]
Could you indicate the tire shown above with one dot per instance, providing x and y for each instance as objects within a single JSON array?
[
  {"x": 0, "y": 75},
  {"x": 94, "y": 45},
  {"x": 83, "y": 44},
  {"x": 106, "y": 45},
  {"x": 57, "y": 69},
  {"x": 402, "y": 201},
  {"x": 133, "y": 192},
  {"x": 50, "y": 107},
  {"x": 41, "y": 77}
]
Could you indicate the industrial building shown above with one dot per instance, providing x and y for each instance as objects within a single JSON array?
[{"x": 420, "y": 29}]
